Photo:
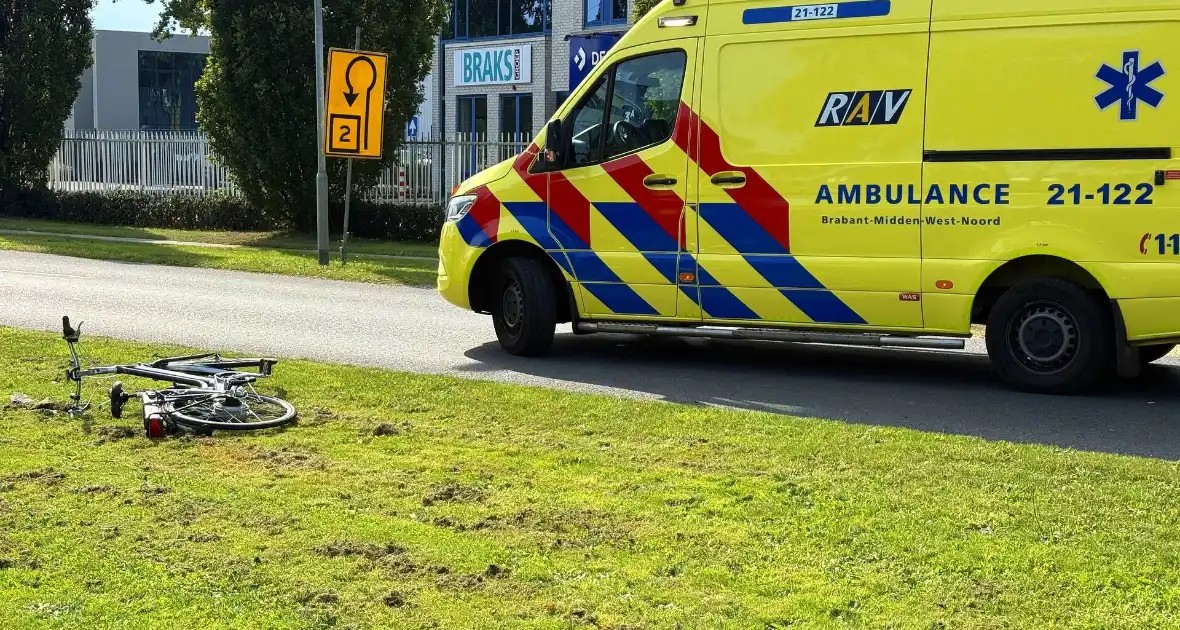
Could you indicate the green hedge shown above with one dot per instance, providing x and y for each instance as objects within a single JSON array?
[
  {"x": 216, "y": 212},
  {"x": 389, "y": 222}
]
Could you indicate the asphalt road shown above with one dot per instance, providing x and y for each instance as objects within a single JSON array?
[{"x": 406, "y": 328}]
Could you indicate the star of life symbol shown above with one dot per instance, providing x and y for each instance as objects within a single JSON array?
[
  {"x": 580, "y": 58},
  {"x": 1129, "y": 85}
]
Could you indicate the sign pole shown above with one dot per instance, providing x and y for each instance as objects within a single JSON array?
[
  {"x": 321, "y": 178},
  {"x": 348, "y": 186}
]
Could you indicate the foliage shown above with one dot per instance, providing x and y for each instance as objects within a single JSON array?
[
  {"x": 257, "y": 96},
  {"x": 642, "y": 7},
  {"x": 44, "y": 49},
  {"x": 216, "y": 212}
]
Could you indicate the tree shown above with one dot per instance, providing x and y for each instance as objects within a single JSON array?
[
  {"x": 642, "y": 7},
  {"x": 257, "y": 97},
  {"x": 44, "y": 49}
]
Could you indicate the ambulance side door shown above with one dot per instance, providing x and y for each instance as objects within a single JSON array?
[
  {"x": 810, "y": 130},
  {"x": 617, "y": 204}
]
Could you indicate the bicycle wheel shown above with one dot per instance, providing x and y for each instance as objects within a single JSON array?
[{"x": 245, "y": 412}]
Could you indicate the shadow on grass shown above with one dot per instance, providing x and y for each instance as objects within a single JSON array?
[
  {"x": 413, "y": 273},
  {"x": 67, "y": 227},
  {"x": 946, "y": 392},
  {"x": 283, "y": 240},
  {"x": 105, "y": 250}
]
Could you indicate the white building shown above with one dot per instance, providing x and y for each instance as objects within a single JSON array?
[
  {"x": 503, "y": 66},
  {"x": 137, "y": 82}
]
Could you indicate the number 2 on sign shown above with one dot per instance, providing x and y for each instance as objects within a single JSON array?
[{"x": 1163, "y": 242}]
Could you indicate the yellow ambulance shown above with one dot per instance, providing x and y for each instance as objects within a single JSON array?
[{"x": 868, "y": 172}]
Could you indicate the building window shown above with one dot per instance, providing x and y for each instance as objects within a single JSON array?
[
  {"x": 470, "y": 19},
  {"x": 473, "y": 130},
  {"x": 167, "y": 96},
  {"x": 473, "y": 115},
  {"x": 516, "y": 120},
  {"x": 602, "y": 12}
]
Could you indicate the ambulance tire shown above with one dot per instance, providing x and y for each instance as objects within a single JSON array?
[
  {"x": 1050, "y": 336},
  {"x": 524, "y": 309},
  {"x": 1151, "y": 354}
]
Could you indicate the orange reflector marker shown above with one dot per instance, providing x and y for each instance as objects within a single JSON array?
[
  {"x": 944, "y": 284},
  {"x": 455, "y": 190},
  {"x": 688, "y": 277}
]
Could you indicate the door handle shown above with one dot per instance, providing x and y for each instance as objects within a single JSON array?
[
  {"x": 659, "y": 181},
  {"x": 729, "y": 179}
]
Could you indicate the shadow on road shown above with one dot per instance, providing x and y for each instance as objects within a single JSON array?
[{"x": 946, "y": 392}]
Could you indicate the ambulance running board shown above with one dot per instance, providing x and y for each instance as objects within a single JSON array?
[{"x": 774, "y": 334}]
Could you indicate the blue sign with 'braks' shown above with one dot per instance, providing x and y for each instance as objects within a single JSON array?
[{"x": 585, "y": 53}]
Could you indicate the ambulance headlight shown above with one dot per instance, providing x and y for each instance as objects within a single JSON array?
[{"x": 457, "y": 207}]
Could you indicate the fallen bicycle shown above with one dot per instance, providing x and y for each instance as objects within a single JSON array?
[{"x": 207, "y": 392}]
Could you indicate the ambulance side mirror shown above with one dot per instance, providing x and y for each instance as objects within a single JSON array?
[{"x": 555, "y": 146}]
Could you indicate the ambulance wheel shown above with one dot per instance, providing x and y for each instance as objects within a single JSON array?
[
  {"x": 524, "y": 310},
  {"x": 1050, "y": 337},
  {"x": 1151, "y": 354}
]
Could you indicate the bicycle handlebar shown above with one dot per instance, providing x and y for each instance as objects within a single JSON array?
[{"x": 68, "y": 333}]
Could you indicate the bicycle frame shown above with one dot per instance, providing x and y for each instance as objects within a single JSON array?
[{"x": 218, "y": 375}]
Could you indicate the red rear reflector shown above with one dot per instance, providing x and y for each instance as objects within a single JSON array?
[
  {"x": 944, "y": 284},
  {"x": 155, "y": 426},
  {"x": 1171, "y": 174}
]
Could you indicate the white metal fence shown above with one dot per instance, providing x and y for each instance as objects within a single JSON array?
[
  {"x": 156, "y": 162},
  {"x": 182, "y": 163}
]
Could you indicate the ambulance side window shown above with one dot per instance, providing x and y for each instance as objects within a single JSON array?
[
  {"x": 583, "y": 127},
  {"x": 644, "y": 102},
  {"x": 632, "y": 106}
]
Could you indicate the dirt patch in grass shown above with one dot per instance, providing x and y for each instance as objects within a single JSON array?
[
  {"x": 395, "y": 599},
  {"x": 47, "y": 476},
  {"x": 288, "y": 458},
  {"x": 398, "y": 565},
  {"x": 365, "y": 550},
  {"x": 566, "y": 528},
  {"x": 114, "y": 434},
  {"x": 269, "y": 525},
  {"x": 322, "y": 598},
  {"x": 150, "y": 489},
  {"x": 454, "y": 493},
  {"x": 462, "y": 582}
]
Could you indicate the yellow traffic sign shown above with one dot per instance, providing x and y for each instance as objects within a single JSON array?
[{"x": 355, "y": 103}]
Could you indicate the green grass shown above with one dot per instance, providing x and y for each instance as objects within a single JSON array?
[
  {"x": 489, "y": 506},
  {"x": 275, "y": 240},
  {"x": 287, "y": 262}
]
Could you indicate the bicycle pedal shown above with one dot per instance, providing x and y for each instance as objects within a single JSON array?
[{"x": 117, "y": 397}]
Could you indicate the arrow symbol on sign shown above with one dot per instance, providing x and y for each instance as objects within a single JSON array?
[{"x": 350, "y": 94}]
